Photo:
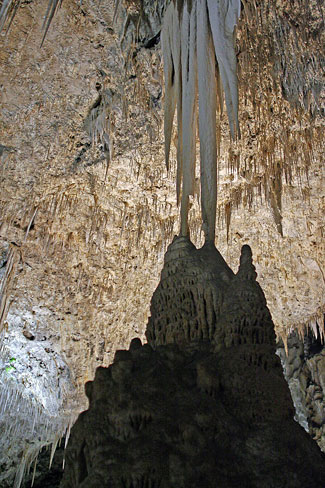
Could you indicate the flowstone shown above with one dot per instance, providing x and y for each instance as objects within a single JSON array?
[{"x": 204, "y": 403}]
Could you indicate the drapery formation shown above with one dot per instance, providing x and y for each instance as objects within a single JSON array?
[{"x": 199, "y": 63}]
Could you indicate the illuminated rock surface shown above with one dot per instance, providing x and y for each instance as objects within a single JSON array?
[{"x": 82, "y": 242}]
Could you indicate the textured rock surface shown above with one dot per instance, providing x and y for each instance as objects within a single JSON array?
[
  {"x": 33, "y": 417},
  {"x": 304, "y": 368},
  {"x": 89, "y": 238},
  {"x": 196, "y": 413},
  {"x": 186, "y": 305}
]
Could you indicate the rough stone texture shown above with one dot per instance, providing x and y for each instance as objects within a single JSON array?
[
  {"x": 36, "y": 416},
  {"x": 78, "y": 261},
  {"x": 187, "y": 305},
  {"x": 90, "y": 237},
  {"x": 304, "y": 369},
  {"x": 192, "y": 313},
  {"x": 196, "y": 413}
]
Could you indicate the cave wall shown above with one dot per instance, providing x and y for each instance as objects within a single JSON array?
[
  {"x": 87, "y": 207},
  {"x": 304, "y": 370}
]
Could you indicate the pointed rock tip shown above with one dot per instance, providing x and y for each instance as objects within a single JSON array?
[
  {"x": 178, "y": 245},
  {"x": 246, "y": 268},
  {"x": 246, "y": 253},
  {"x": 210, "y": 254},
  {"x": 135, "y": 344}
]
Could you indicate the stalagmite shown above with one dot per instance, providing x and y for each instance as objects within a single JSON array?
[
  {"x": 195, "y": 35},
  {"x": 174, "y": 406}
]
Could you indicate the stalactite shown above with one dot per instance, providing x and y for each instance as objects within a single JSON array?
[
  {"x": 6, "y": 288},
  {"x": 9, "y": 10},
  {"x": 194, "y": 36},
  {"x": 36, "y": 424}
]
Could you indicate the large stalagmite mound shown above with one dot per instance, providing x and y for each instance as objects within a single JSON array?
[{"x": 204, "y": 404}]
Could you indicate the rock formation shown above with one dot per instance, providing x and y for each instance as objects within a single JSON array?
[
  {"x": 204, "y": 403},
  {"x": 87, "y": 208},
  {"x": 198, "y": 46},
  {"x": 304, "y": 370}
]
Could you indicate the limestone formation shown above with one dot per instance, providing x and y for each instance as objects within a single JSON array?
[
  {"x": 199, "y": 298},
  {"x": 186, "y": 304},
  {"x": 202, "y": 405},
  {"x": 90, "y": 237},
  {"x": 199, "y": 64},
  {"x": 304, "y": 369}
]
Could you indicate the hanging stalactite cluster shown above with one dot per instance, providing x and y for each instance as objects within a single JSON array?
[
  {"x": 9, "y": 10},
  {"x": 196, "y": 35}
]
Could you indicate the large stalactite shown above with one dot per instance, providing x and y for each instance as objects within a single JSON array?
[{"x": 199, "y": 64}]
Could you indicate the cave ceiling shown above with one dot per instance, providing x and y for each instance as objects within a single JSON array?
[{"x": 87, "y": 207}]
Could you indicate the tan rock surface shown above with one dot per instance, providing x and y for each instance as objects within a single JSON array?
[{"x": 91, "y": 239}]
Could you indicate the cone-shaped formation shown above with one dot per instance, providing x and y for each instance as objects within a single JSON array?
[
  {"x": 200, "y": 298},
  {"x": 209, "y": 407},
  {"x": 185, "y": 307},
  {"x": 245, "y": 319}
]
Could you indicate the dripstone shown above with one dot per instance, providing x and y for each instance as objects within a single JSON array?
[{"x": 204, "y": 403}]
